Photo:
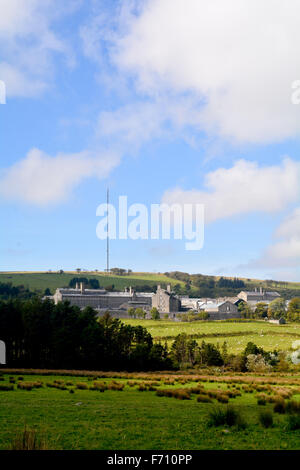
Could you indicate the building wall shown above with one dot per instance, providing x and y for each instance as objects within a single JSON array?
[
  {"x": 165, "y": 301},
  {"x": 104, "y": 301}
]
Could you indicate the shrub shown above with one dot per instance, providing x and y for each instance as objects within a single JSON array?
[{"x": 266, "y": 419}]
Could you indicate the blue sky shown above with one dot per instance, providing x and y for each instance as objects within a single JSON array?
[{"x": 162, "y": 102}]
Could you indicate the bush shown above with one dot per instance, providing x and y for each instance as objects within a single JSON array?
[{"x": 266, "y": 419}]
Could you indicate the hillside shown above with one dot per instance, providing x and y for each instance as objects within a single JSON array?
[
  {"x": 182, "y": 283},
  {"x": 39, "y": 281}
]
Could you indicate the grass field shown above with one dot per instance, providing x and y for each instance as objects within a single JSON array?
[
  {"x": 237, "y": 335},
  {"x": 131, "y": 419},
  {"x": 39, "y": 281}
]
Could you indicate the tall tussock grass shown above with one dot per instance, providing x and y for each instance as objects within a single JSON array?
[
  {"x": 226, "y": 417},
  {"x": 6, "y": 387},
  {"x": 266, "y": 418},
  {"x": 28, "y": 439},
  {"x": 29, "y": 385}
]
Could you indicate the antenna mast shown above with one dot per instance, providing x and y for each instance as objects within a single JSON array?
[{"x": 107, "y": 240}]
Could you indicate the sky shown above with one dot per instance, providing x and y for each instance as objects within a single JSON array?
[{"x": 169, "y": 102}]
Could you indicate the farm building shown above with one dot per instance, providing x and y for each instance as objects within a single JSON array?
[
  {"x": 253, "y": 297},
  {"x": 220, "y": 310}
]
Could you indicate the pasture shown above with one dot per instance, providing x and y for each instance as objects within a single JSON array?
[
  {"x": 70, "y": 412},
  {"x": 39, "y": 281},
  {"x": 266, "y": 335}
]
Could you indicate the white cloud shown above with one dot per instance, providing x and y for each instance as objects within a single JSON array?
[
  {"x": 243, "y": 188},
  {"x": 236, "y": 61},
  {"x": 41, "y": 180},
  {"x": 27, "y": 44},
  {"x": 286, "y": 251},
  {"x": 290, "y": 226}
]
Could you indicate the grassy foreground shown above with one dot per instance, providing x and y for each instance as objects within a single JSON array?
[{"x": 133, "y": 419}]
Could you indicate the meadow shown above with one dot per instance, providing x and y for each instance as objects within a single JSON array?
[
  {"x": 39, "y": 281},
  {"x": 236, "y": 334},
  {"x": 140, "y": 411}
]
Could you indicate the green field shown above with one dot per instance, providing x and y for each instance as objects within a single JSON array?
[
  {"x": 131, "y": 419},
  {"x": 237, "y": 335},
  {"x": 39, "y": 281}
]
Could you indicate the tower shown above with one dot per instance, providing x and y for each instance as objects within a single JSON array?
[{"x": 107, "y": 240}]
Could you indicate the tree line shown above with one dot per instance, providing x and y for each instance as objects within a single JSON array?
[
  {"x": 40, "y": 334},
  {"x": 276, "y": 309}
]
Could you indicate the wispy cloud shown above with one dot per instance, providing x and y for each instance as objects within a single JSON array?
[
  {"x": 28, "y": 44},
  {"x": 284, "y": 252},
  {"x": 41, "y": 180}
]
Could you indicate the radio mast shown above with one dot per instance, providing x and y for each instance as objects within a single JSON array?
[{"x": 107, "y": 239}]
